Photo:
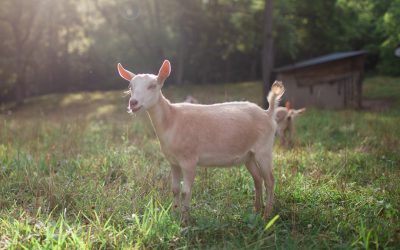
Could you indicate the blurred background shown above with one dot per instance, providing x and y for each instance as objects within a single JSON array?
[{"x": 62, "y": 46}]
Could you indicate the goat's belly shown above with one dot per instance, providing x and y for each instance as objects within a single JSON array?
[{"x": 220, "y": 160}]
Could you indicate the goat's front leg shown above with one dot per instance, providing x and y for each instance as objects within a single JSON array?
[
  {"x": 176, "y": 175},
  {"x": 281, "y": 133},
  {"x": 291, "y": 134},
  {"x": 188, "y": 172}
]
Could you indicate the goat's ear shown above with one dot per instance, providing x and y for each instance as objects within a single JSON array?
[
  {"x": 164, "y": 72},
  {"x": 126, "y": 74},
  {"x": 300, "y": 111},
  {"x": 287, "y": 105}
]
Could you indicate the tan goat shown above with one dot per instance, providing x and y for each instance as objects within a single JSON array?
[
  {"x": 285, "y": 117},
  {"x": 192, "y": 135}
]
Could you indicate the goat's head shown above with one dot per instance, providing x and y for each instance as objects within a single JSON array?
[{"x": 144, "y": 88}]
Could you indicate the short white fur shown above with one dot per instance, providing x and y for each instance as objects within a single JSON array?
[{"x": 192, "y": 135}]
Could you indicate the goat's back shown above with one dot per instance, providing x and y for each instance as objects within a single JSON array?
[{"x": 220, "y": 130}]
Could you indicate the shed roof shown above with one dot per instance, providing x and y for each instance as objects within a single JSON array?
[{"x": 321, "y": 59}]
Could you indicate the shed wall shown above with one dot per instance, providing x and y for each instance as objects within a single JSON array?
[
  {"x": 322, "y": 95},
  {"x": 330, "y": 85}
]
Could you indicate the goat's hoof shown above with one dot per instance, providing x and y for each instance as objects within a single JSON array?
[{"x": 185, "y": 219}]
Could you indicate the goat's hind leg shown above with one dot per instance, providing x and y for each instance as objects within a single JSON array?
[
  {"x": 264, "y": 161},
  {"x": 255, "y": 172}
]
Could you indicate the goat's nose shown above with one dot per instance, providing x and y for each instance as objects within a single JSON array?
[{"x": 133, "y": 103}]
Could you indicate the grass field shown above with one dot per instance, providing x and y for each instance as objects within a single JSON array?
[{"x": 77, "y": 171}]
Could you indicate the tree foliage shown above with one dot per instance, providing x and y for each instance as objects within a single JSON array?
[{"x": 68, "y": 45}]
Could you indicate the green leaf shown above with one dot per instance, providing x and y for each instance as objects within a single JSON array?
[{"x": 271, "y": 222}]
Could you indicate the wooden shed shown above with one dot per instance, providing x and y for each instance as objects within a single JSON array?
[{"x": 329, "y": 81}]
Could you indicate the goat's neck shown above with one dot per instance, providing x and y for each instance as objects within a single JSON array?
[{"x": 161, "y": 116}]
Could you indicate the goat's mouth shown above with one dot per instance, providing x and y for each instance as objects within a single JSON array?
[{"x": 135, "y": 109}]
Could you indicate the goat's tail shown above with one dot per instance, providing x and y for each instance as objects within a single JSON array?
[{"x": 274, "y": 96}]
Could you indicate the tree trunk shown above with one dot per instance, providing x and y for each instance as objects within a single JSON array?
[
  {"x": 253, "y": 69},
  {"x": 20, "y": 88},
  {"x": 267, "y": 52},
  {"x": 181, "y": 62},
  {"x": 22, "y": 30},
  {"x": 19, "y": 94},
  {"x": 51, "y": 53},
  {"x": 227, "y": 71},
  {"x": 359, "y": 89},
  {"x": 182, "y": 44},
  {"x": 158, "y": 25}
]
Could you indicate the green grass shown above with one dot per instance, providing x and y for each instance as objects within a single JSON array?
[{"x": 77, "y": 171}]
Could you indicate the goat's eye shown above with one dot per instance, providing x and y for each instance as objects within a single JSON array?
[{"x": 152, "y": 86}]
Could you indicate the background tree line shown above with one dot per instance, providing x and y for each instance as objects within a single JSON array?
[{"x": 55, "y": 46}]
